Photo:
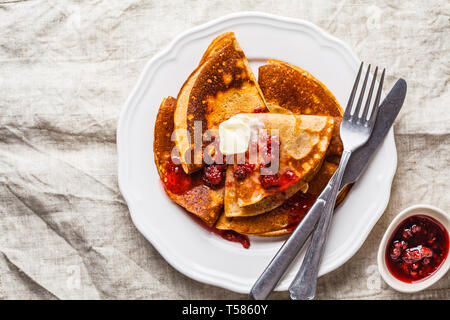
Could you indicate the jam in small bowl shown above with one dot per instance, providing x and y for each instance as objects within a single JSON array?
[{"x": 413, "y": 253}]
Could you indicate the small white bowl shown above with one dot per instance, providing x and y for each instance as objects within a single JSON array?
[{"x": 439, "y": 215}]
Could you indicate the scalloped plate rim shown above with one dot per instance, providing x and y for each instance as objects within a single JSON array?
[{"x": 170, "y": 52}]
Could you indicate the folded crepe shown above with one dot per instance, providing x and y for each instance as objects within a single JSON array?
[
  {"x": 302, "y": 144},
  {"x": 189, "y": 191},
  {"x": 289, "y": 89},
  {"x": 221, "y": 86}
]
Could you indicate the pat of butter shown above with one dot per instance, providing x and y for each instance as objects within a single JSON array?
[{"x": 234, "y": 135}]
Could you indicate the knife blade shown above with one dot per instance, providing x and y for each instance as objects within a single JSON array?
[{"x": 389, "y": 109}]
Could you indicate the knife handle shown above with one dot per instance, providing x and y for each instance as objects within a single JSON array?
[{"x": 284, "y": 257}]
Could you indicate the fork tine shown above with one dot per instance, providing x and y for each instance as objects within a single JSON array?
[
  {"x": 361, "y": 94},
  {"x": 369, "y": 96},
  {"x": 352, "y": 95},
  {"x": 376, "y": 104}
]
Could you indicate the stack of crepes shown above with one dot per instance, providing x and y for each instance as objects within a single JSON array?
[{"x": 229, "y": 196}]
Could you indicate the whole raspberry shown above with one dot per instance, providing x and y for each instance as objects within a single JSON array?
[
  {"x": 214, "y": 175},
  {"x": 241, "y": 171},
  {"x": 270, "y": 181}
]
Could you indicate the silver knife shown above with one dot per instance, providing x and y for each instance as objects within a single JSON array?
[{"x": 390, "y": 107}]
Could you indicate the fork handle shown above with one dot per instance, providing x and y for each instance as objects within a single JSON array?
[
  {"x": 290, "y": 249},
  {"x": 304, "y": 284}
]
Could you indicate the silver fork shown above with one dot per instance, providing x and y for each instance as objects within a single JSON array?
[{"x": 355, "y": 132}]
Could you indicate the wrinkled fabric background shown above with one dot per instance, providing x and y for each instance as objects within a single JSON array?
[{"x": 66, "y": 69}]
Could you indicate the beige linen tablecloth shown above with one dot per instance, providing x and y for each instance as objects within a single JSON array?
[{"x": 66, "y": 68}]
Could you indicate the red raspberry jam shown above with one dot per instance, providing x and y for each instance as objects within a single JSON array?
[
  {"x": 233, "y": 236},
  {"x": 241, "y": 171},
  {"x": 270, "y": 181},
  {"x": 228, "y": 235},
  {"x": 218, "y": 157},
  {"x": 278, "y": 182},
  {"x": 259, "y": 110},
  {"x": 214, "y": 175},
  {"x": 296, "y": 206},
  {"x": 287, "y": 179},
  {"x": 417, "y": 248},
  {"x": 175, "y": 179},
  {"x": 178, "y": 182}
]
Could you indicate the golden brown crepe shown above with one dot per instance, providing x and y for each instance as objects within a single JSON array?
[
  {"x": 292, "y": 88},
  {"x": 197, "y": 198},
  {"x": 222, "y": 85},
  {"x": 288, "y": 88},
  {"x": 303, "y": 143}
]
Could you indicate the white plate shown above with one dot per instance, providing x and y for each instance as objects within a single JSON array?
[{"x": 193, "y": 251}]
